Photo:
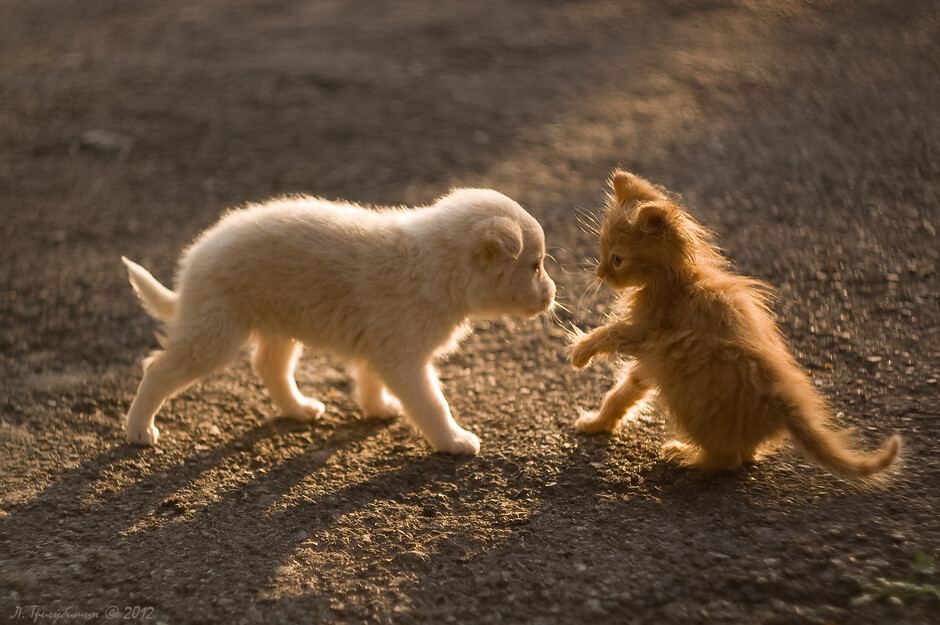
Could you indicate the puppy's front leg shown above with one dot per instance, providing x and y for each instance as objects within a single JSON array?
[
  {"x": 419, "y": 391},
  {"x": 372, "y": 396}
]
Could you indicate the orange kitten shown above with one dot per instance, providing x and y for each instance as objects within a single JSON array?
[{"x": 704, "y": 338}]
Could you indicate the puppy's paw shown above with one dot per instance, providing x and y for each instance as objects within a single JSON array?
[
  {"x": 142, "y": 436},
  {"x": 306, "y": 410},
  {"x": 463, "y": 443},
  {"x": 385, "y": 408},
  {"x": 591, "y": 423}
]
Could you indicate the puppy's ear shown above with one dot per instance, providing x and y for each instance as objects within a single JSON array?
[
  {"x": 630, "y": 187},
  {"x": 654, "y": 219},
  {"x": 501, "y": 235}
]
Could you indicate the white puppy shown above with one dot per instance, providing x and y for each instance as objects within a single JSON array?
[{"x": 387, "y": 290}]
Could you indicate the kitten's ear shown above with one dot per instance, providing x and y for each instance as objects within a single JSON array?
[
  {"x": 654, "y": 219},
  {"x": 501, "y": 235},
  {"x": 630, "y": 187}
]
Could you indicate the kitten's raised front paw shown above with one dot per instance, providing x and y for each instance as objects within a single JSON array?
[
  {"x": 463, "y": 443},
  {"x": 591, "y": 423},
  {"x": 306, "y": 410},
  {"x": 581, "y": 355},
  {"x": 142, "y": 436}
]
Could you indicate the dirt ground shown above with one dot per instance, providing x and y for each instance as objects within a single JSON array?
[{"x": 805, "y": 133}]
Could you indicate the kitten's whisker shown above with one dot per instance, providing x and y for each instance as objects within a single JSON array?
[
  {"x": 573, "y": 268},
  {"x": 590, "y": 295},
  {"x": 585, "y": 215},
  {"x": 588, "y": 222},
  {"x": 574, "y": 332}
]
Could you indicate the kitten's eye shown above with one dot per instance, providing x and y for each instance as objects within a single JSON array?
[
  {"x": 537, "y": 266},
  {"x": 616, "y": 261}
]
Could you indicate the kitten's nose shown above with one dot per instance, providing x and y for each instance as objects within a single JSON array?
[{"x": 600, "y": 271}]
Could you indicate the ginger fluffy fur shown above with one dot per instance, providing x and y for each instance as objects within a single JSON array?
[
  {"x": 386, "y": 290},
  {"x": 704, "y": 338}
]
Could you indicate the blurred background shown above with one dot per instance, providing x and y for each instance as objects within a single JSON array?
[
  {"x": 805, "y": 133},
  {"x": 129, "y": 128}
]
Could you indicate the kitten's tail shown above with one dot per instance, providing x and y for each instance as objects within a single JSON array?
[
  {"x": 833, "y": 450},
  {"x": 157, "y": 300}
]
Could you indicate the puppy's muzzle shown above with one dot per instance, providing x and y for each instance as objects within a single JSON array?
[{"x": 548, "y": 295}]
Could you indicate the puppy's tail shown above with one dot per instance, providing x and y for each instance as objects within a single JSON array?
[
  {"x": 158, "y": 300},
  {"x": 833, "y": 450}
]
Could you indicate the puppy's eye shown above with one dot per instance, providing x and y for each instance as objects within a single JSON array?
[{"x": 616, "y": 261}]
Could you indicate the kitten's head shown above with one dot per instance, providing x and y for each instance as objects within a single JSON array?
[{"x": 645, "y": 236}]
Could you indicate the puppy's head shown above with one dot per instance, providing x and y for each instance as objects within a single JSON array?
[{"x": 508, "y": 254}]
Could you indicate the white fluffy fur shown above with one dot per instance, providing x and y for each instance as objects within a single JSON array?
[{"x": 386, "y": 290}]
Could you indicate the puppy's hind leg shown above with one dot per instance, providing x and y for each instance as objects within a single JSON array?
[
  {"x": 169, "y": 372},
  {"x": 274, "y": 361},
  {"x": 373, "y": 397}
]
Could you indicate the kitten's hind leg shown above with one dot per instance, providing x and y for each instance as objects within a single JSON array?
[
  {"x": 616, "y": 404},
  {"x": 691, "y": 455},
  {"x": 686, "y": 453},
  {"x": 274, "y": 361},
  {"x": 749, "y": 457},
  {"x": 711, "y": 460},
  {"x": 373, "y": 397}
]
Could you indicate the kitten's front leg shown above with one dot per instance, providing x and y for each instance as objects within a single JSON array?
[
  {"x": 612, "y": 338},
  {"x": 586, "y": 348},
  {"x": 618, "y": 401},
  {"x": 418, "y": 389}
]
